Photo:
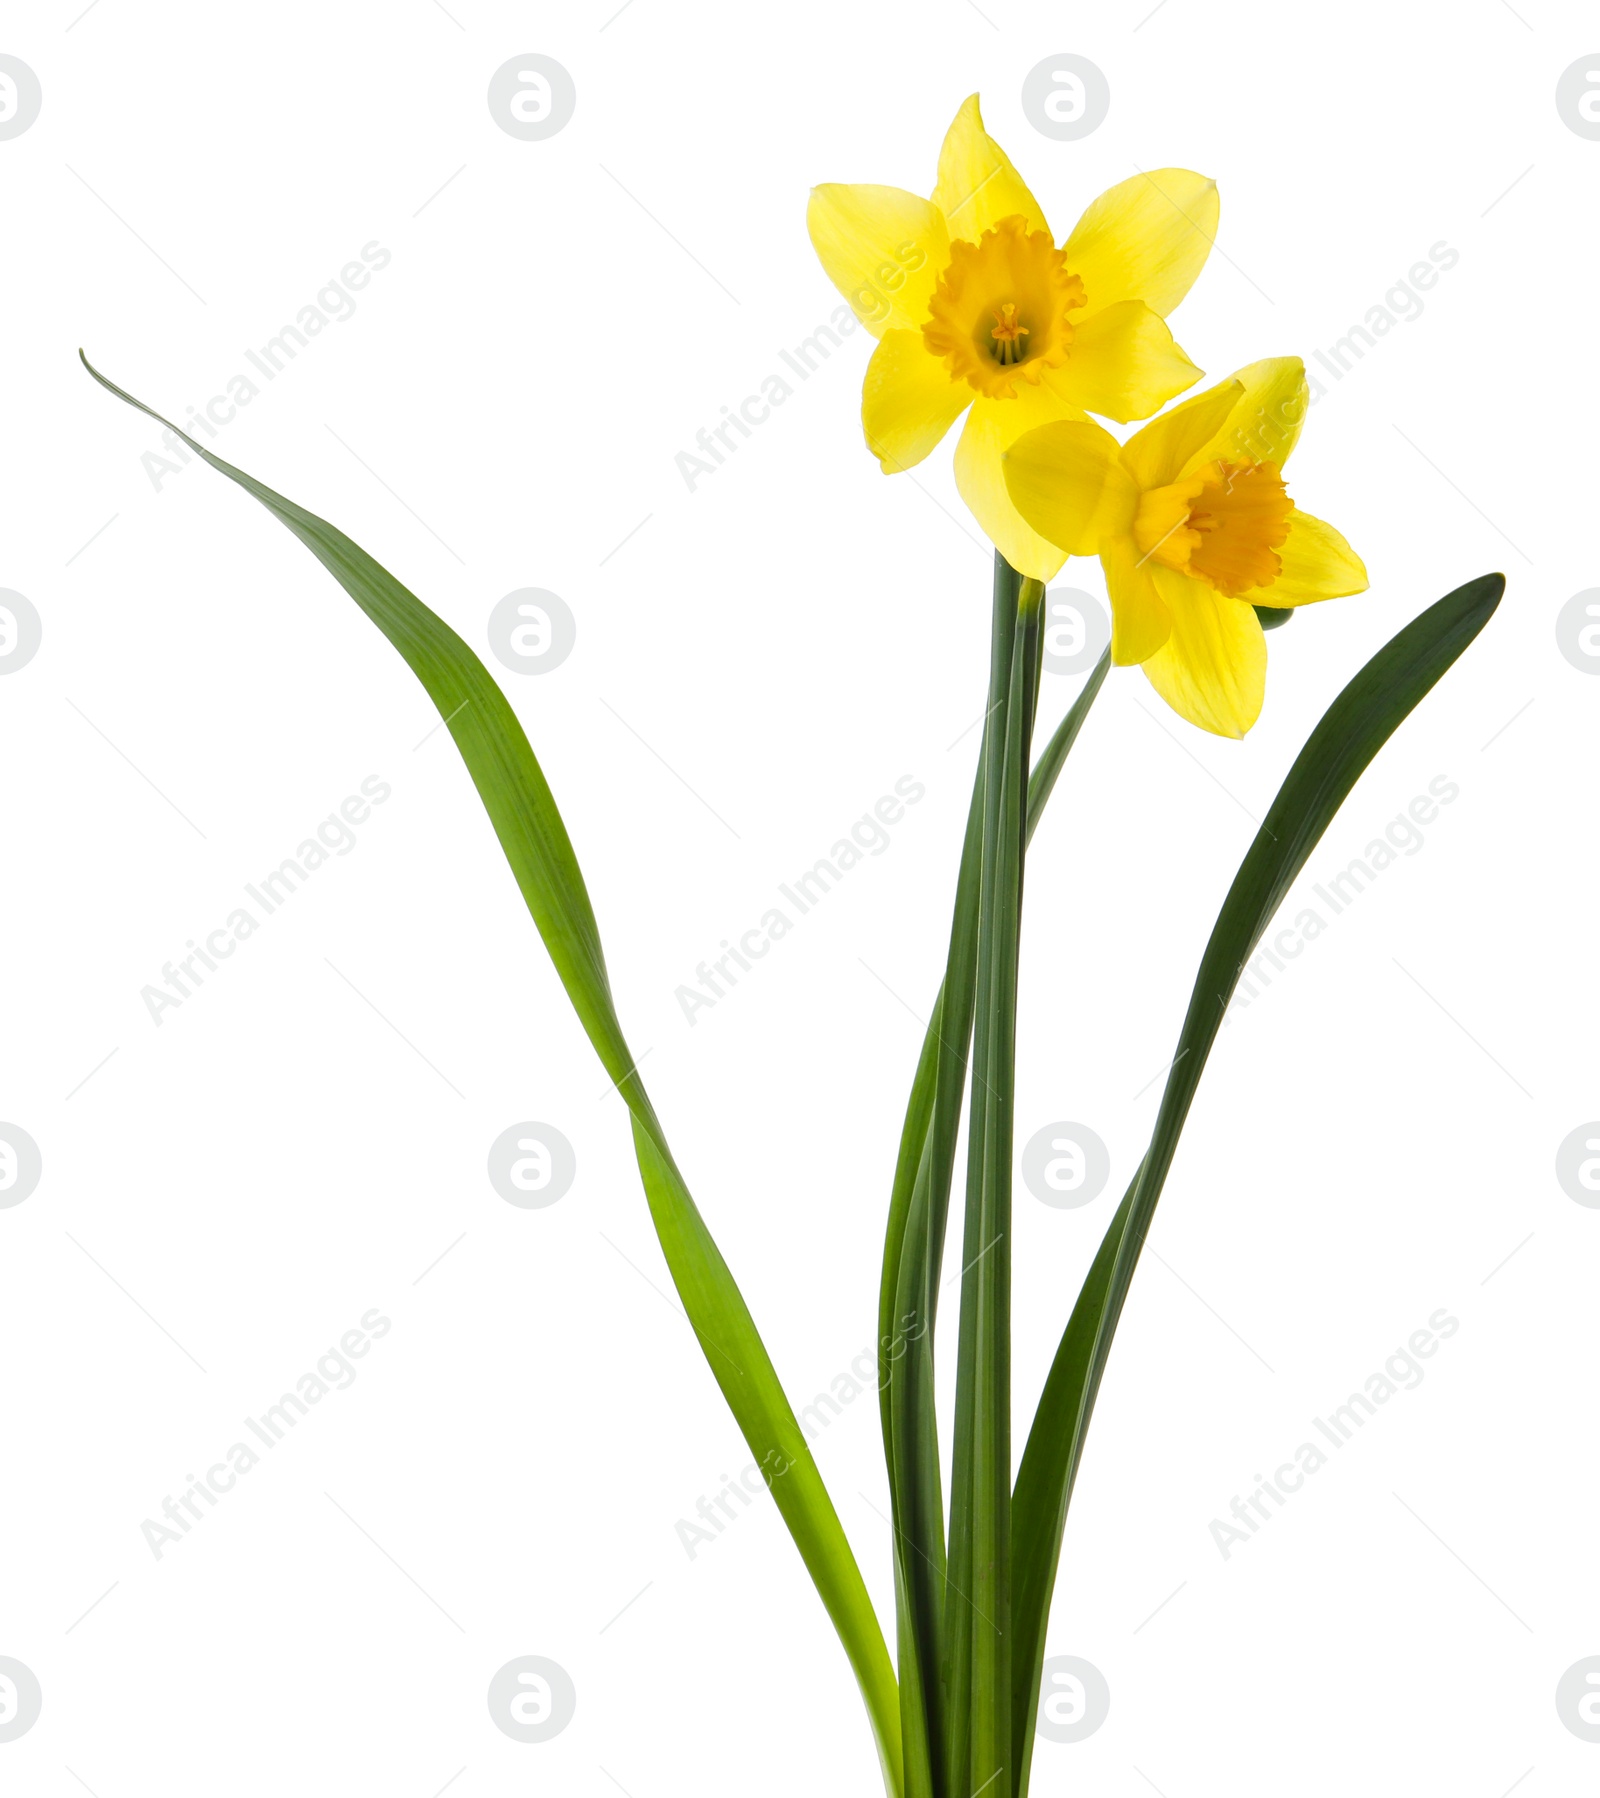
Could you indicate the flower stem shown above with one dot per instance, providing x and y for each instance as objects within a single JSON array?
[{"x": 978, "y": 1599}]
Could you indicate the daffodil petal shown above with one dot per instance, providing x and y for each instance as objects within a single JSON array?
[
  {"x": 1065, "y": 480},
  {"x": 992, "y": 427},
  {"x": 908, "y": 401},
  {"x": 1212, "y": 670},
  {"x": 1317, "y": 564},
  {"x": 1155, "y": 454},
  {"x": 1140, "y": 621},
  {"x": 1123, "y": 364},
  {"x": 978, "y": 186},
  {"x": 883, "y": 248},
  {"x": 1263, "y": 425},
  {"x": 1145, "y": 239}
]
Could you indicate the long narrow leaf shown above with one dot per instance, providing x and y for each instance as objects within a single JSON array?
[
  {"x": 535, "y": 842},
  {"x": 1352, "y": 731}
]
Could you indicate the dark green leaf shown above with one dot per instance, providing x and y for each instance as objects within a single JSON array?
[{"x": 1352, "y": 731}]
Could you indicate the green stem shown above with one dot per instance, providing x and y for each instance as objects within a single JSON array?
[
  {"x": 913, "y": 1257},
  {"x": 978, "y": 1581}
]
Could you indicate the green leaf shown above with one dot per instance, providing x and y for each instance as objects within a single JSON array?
[
  {"x": 534, "y": 839},
  {"x": 1352, "y": 731}
]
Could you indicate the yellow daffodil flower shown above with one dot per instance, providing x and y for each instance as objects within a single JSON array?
[
  {"x": 974, "y": 306},
  {"x": 1194, "y": 529}
]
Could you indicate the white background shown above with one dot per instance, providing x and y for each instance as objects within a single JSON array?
[{"x": 1373, "y": 1138}]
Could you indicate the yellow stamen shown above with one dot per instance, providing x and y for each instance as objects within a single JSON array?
[
  {"x": 1005, "y": 334},
  {"x": 1224, "y": 525}
]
